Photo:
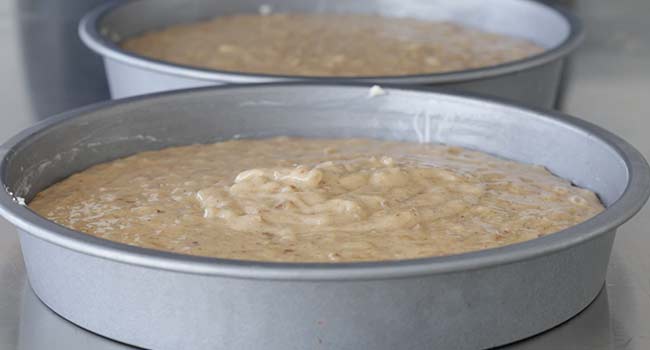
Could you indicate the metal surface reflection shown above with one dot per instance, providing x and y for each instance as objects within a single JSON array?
[
  {"x": 591, "y": 329},
  {"x": 60, "y": 72},
  {"x": 42, "y": 328}
]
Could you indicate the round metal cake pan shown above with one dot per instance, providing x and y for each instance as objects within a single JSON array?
[
  {"x": 533, "y": 81},
  {"x": 162, "y": 300}
]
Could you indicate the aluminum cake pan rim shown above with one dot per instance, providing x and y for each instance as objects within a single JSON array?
[
  {"x": 629, "y": 203},
  {"x": 89, "y": 34}
]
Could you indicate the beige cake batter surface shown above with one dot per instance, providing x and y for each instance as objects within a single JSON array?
[
  {"x": 316, "y": 200},
  {"x": 329, "y": 45}
]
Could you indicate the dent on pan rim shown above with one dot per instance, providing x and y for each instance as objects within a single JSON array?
[
  {"x": 88, "y": 31},
  {"x": 631, "y": 201}
]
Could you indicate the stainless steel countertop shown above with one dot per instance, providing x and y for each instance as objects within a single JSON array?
[{"x": 44, "y": 70}]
